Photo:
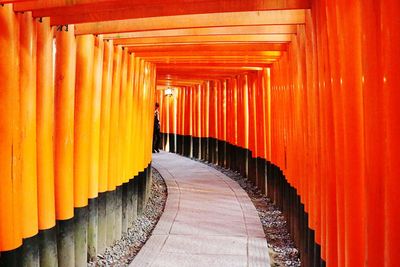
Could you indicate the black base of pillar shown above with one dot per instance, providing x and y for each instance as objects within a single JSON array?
[
  {"x": 195, "y": 147},
  {"x": 172, "y": 143},
  {"x": 66, "y": 243},
  {"x": 48, "y": 247}
]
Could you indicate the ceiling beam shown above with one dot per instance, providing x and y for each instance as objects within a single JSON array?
[
  {"x": 228, "y": 19},
  {"x": 199, "y": 67},
  {"x": 242, "y": 38},
  {"x": 209, "y": 54},
  {"x": 189, "y": 65},
  {"x": 216, "y": 47},
  {"x": 252, "y": 30},
  {"x": 225, "y": 61},
  {"x": 107, "y": 4},
  {"x": 80, "y": 11}
]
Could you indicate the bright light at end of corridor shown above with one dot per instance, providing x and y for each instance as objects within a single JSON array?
[{"x": 168, "y": 92}]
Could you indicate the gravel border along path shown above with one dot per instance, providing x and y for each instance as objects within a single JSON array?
[
  {"x": 125, "y": 249},
  {"x": 282, "y": 249}
]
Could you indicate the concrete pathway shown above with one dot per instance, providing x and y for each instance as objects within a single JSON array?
[{"x": 209, "y": 220}]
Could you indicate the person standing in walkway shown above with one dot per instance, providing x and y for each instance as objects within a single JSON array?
[{"x": 157, "y": 128}]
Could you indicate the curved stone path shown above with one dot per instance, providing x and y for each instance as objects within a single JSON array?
[{"x": 209, "y": 220}]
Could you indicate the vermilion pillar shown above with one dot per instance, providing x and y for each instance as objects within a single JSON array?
[
  {"x": 10, "y": 180},
  {"x": 391, "y": 84},
  {"x": 83, "y": 96},
  {"x": 114, "y": 119},
  {"x": 28, "y": 124},
  {"x": 122, "y": 176},
  {"x": 129, "y": 119},
  {"x": 45, "y": 125},
  {"x": 64, "y": 122},
  {"x": 95, "y": 119},
  {"x": 105, "y": 115}
]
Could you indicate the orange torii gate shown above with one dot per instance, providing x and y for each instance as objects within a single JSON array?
[{"x": 299, "y": 96}]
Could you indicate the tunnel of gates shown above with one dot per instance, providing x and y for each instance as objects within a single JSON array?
[
  {"x": 67, "y": 193},
  {"x": 318, "y": 132},
  {"x": 316, "y": 126}
]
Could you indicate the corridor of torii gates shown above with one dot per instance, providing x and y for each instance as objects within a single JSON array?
[{"x": 301, "y": 97}]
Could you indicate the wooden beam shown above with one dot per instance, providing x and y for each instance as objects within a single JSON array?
[
  {"x": 224, "y": 61},
  {"x": 243, "y": 38},
  {"x": 199, "y": 67},
  {"x": 215, "y": 64},
  {"x": 47, "y": 4},
  {"x": 72, "y": 12},
  {"x": 215, "y": 47},
  {"x": 228, "y": 19},
  {"x": 102, "y": 5},
  {"x": 13, "y": 1},
  {"x": 197, "y": 54},
  {"x": 252, "y": 30},
  {"x": 208, "y": 72}
]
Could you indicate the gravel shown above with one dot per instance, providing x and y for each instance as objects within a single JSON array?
[
  {"x": 124, "y": 250},
  {"x": 282, "y": 249}
]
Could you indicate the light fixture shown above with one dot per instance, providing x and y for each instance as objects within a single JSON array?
[{"x": 168, "y": 92}]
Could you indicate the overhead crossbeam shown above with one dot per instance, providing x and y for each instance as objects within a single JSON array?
[
  {"x": 206, "y": 47},
  {"x": 252, "y": 30},
  {"x": 243, "y": 38},
  {"x": 80, "y": 11},
  {"x": 270, "y": 17}
]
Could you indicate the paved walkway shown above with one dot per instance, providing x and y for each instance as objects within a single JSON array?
[{"x": 209, "y": 220}]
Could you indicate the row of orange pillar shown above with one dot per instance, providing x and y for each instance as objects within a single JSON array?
[
  {"x": 335, "y": 127},
  {"x": 327, "y": 114},
  {"x": 76, "y": 120},
  {"x": 229, "y": 110}
]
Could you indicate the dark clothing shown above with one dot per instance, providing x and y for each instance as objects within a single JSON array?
[
  {"x": 156, "y": 121},
  {"x": 156, "y": 133}
]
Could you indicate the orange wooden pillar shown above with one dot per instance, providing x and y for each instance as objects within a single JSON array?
[
  {"x": 83, "y": 95},
  {"x": 229, "y": 123},
  {"x": 121, "y": 175},
  {"x": 82, "y": 140},
  {"x": 391, "y": 96},
  {"x": 29, "y": 214},
  {"x": 335, "y": 234},
  {"x": 123, "y": 144},
  {"x": 114, "y": 118},
  {"x": 252, "y": 118},
  {"x": 64, "y": 141},
  {"x": 94, "y": 153},
  {"x": 105, "y": 115},
  {"x": 135, "y": 119},
  {"x": 114, "y": 156},
  {"x": 95, "y": 119},
  {"x": 354, "y": 160},
  {"x": 45, "y": 142},
  {"x": 374, "y": 133},
  {"x": 260, "y": 102},
  {"x": 141, "y": 117},
  {"x": 130, "y": 114},
  {"x": 45, "y": 125},
  {"x": 10, "y": 180},
  {"x": 221, "y": 135},
  {"x": 104, "y": 236},
  {"x": 64, "y": 122},
  {"x": 242, "y": 108}
]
